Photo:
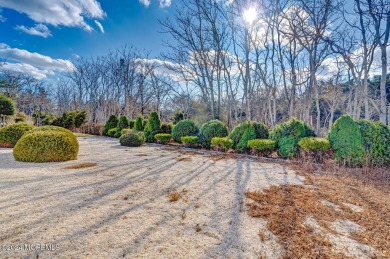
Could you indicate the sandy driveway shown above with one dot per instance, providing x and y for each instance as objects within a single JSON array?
[{"x": 120, "y": 207}]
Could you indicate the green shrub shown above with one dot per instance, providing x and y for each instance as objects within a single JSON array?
[
  {"x": 152, "y": 127},
  {"x": 110, "y": 124},
  {"x": 167, "y": 128},
  {"x": 113, "y": 133},
  {"x": 126, "y": 131},
  {"x": 314, "y": 143},
  {"x": 247, "y": 131},
  {"x": 262, "y": 147},
  {"x": 287, "y": 135},
  {"x": 131, "y": 124},
  {"x": 139, "y": 123},
  {"x": 123, "y": 123},
  {"x": 162, "y": 138},
  {"x": 51, "y": 128},
  {"x": 238, "y": 132},
  {"x": 184, "y": 128},
  {"x": 19, "y": 120},
  {"x": 212, "y": 129},
  {"x": 190, "y": 141},
  {"x": 376, "y": 142},
  {"x": 221, "y": 143},
  {"x": 9, "y": 135},
  {"x": 71, "y": 119},
  {"x": 347, "y": 142},
  {"x": 7, "y": 106},
  {"x": 132, "y": 139},
  {"x": 46, "y": 146}
]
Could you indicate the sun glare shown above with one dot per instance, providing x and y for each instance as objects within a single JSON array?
[{"x": 250, "y": 15}]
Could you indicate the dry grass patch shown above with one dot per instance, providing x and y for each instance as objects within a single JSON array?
[
  {"x": 328, "y": 199},
  {"x": 174, "y": 196},
  {"x": 82, "y": 165},
  {"x": 184, "y": 159},
  {"x": 141, "y": 155}
]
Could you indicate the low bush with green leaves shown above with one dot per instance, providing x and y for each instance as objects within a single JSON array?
[
  {"x": 256, "y": 130},
  {"x": 238, "y": 132},
  {"x": 123, "y": 123},
  {"x": 113, "y": 133},
  {"x": 152, "y": 127},
  {"x": 111, "y": 123},
  {"x": 314, "y": 143},
  {"x": 166, "y": 128},
  {"x": 46, "y": 146},
  {"x": 212, "y": 129},
  {"x": 263, "y": 147},
  {"x": 347, "y": 141},
  {"x": 163, "y": 138},
  {"x": 48, "y": 128},
  {"x": 125, "y": 131},
  {"x": 132, "y": 139},
  {"x": 287, "y": 135},
  {"x": 190, "y": 141},
  {"x": 71, "y": 119},
  {"x": 184, "y": 128},
  {"x": 9, "y": 135},
  {"x": 222, "y": 144}
]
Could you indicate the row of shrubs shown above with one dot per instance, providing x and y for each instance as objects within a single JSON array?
[
  {"x": 352, "y": 143},
  {"x": 39, "y": 144}
]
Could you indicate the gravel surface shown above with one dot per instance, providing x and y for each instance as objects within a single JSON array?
[{"x": 121, "y": 208}]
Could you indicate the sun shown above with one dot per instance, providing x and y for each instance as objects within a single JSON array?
[{"x": 250, "y": 15}]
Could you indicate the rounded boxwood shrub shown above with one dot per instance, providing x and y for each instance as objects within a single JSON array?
[
  {"x": 162, "y": 138},
  {"x": 152, "y": 127},
  {"x": 287, "y": 134},
  {"x": 132, "y": 139},
  {"x": 221, "y": 143},
  {"x": 46, "y": 146},
  {"x": 55, "y": 128},
  {"x": 184, "y": 128},
  {"x": 256, "y": 130},
  {"x": 190, "y": 141},
  {"x": 212, "y": 129},
  {"x": 125, "y": 131},
  {"x": 263, "y": 147},
  {"x": 110, "y": 124},
  {"x": 113, "y": 133},
  {"x": 9, "y": 135},
  {"x": 314, "y": 143},
  {"x": 347, "y": 141},
  {"x": 139, "y": 123},
  {"x": 376, "y": 142},
  {"x": 166, "y": 128},
  {"x": 238, "y": 132}
]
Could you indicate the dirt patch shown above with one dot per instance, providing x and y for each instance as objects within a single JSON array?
[
  {"x": 141, "y": 155},
  {"x": 82, "y": 165},
  {"x": 183, "y": 159}
]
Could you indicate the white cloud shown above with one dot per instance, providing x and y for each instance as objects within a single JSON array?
[
  {"x": 2, "y": 18},
  {"x": 165, "y": 3},
  {"x": 37, "y": 30},
  {"x": 146, "y": 3},
  {"x": 100, "y": 26},
  {"x": 69, "y": 13},
  {"x": 34, "y": 64}
]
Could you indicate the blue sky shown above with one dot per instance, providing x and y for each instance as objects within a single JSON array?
[{"x": 38, "y": 33}]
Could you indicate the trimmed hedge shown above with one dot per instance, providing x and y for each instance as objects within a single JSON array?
[
  {"x": 110, "y": 124},
  {"x": 224, "y": 143},
  {"x": 238, "y": 132},
  {"x": 263, "y": 147},
  {"x": 125, "y": 131},
  {"x": 132, "y": 139},
  {"x": 190, "y": 141},
  {"x": 46, "y": 146},
  {"x": 247, "y": 131},
  {"x": 212, "y": 129},
  {"x": 347, "y": 141},
  {"x": 55, "y": 128},
  {"x": 287, "y": 135},
  {"x": 314, "y": 143},
  {"x": 113, "y": 132},
  {"x": 9, "y": 135},
  {"x": 152, "y": 127},
  {"x": 163, "y": 138},
  {"x": 184, "y": 128}
]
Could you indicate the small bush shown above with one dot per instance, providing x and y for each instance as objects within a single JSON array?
[
  {"x": 314, "y": 143},
  {"x": 113, "y": 133},
  {"x": 152, "y": 127},
  {"x": 184, "y": 128},
  {"x": 190, "y": 141},
  {"x": 9, "y": 135},
  {"x": 163, "y": 138},
  {"x": 238, "y": 132},
  {"x": 7, "y": 106},
  {"x": 46, "y": 146},
  {"x": 376, "y": 142},
  {"x": 347, "y": 142},
  {"x": 126, "y": 131},
  {"x": 263, "y": 147},
  {"x": 51, "y": 128},
  {"x": 167, "y": 128},
  {"x": 132, "y": 139},
  {"x": 131, "y": 124},
  {"x": 212, "y": 129},
  {"x": 110, "y": 124},
  {"x": 246, "y": 131},
  {"x": 19, "y": 120},
  {"x": 139, "y": 123},
  {"x": 71, "y": 119},
  {"x": 222, "y": 144},
  {"x": 287, "y": 135},
  {"x": 123, "y": 123}
]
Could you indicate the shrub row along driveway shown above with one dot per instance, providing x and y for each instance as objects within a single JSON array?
[{"x": 120, "y": 207}]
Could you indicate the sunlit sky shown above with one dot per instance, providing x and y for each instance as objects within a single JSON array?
[{"x": 38, "y": 33}]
